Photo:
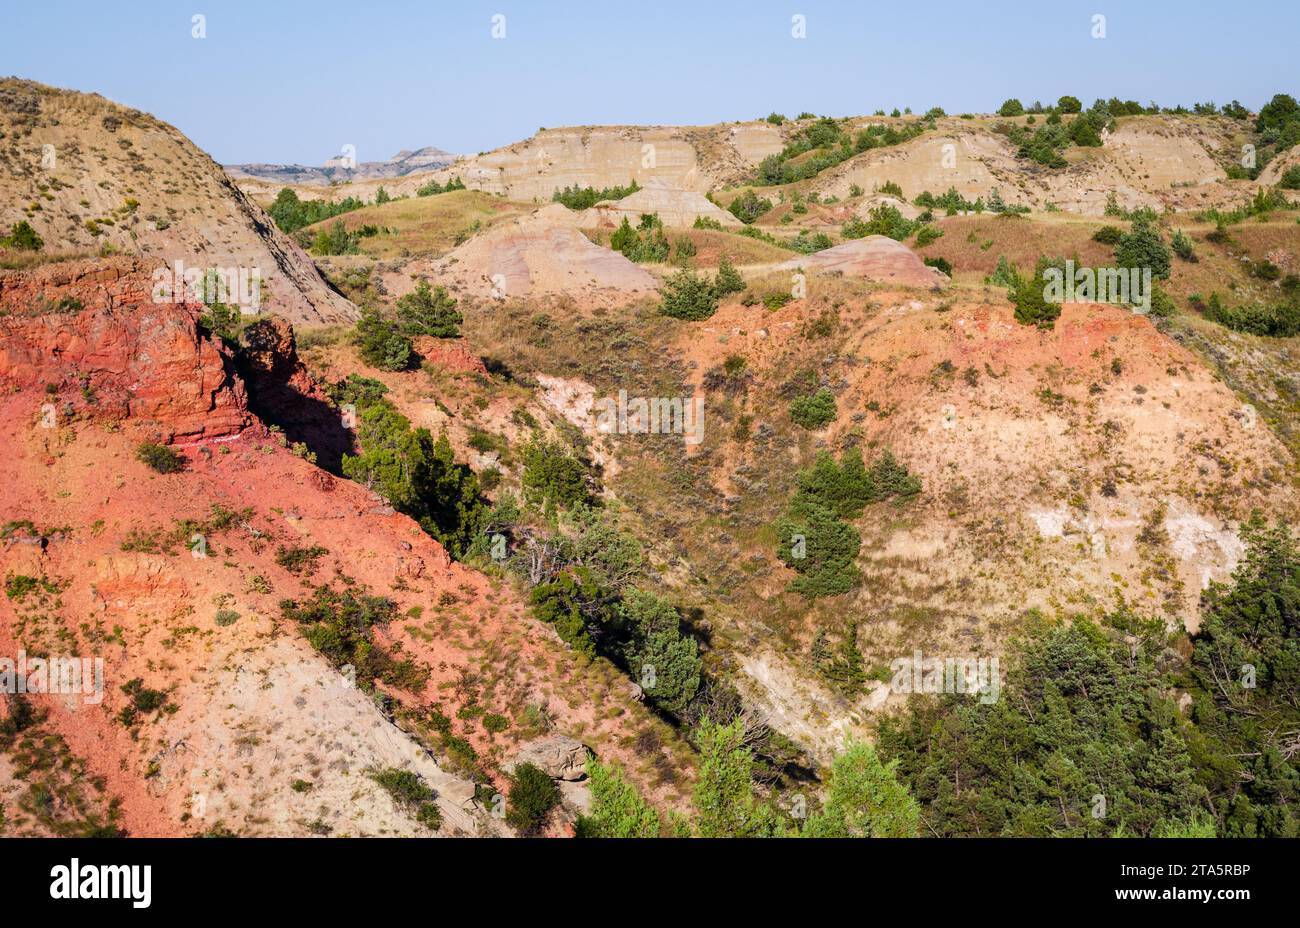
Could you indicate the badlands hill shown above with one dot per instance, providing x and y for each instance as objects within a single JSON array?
[
  {"x": 541, "y": 254},
  {"x": 1162, "y": 160},
  {"x": 1099, "y": 463},
  {"x": 217, "y": 714},
  {"x": 89, "y": 176}
]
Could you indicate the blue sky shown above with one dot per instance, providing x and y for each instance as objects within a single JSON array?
[{"x": 288, "y": 81}]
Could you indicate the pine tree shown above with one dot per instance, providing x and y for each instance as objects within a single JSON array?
[
  {"x": 429, "y": 311},
  {"x": 864, "y": 800},
  {"x": 617, "y": 809},
  {"x": 725, "y": 804},
  {"x": 846, "y": 671}
]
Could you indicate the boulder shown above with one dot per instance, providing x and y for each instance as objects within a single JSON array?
[{"x": 561, "y": 757}]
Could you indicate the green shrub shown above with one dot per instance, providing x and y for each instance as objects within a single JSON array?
[
  {"x": 160, "y": 458},
  {"x": 381, "y": 343},
  {"x": 1144, "y": 247},
  {"x": 688, "y": 296},
  {"x": 1291, "y": 179},
  {"x": 808, "y": 242},
  {"x": 728, "y": 279},
  {"x": 928, "y": 234},
  {"x": 292, "y": 214},
  {"x": 1162, "y": 304},
  {"x": 664, "y": 660},
  {"x": 647, "y": 242},
  {"x": 433, "y": 187},
  {"x": 143, "y": 699},
  {"x": 1029, "y": 294},
  {"x": 409, "y": 791},
  {"x": 1108, "y": 235},
  {"x": 845, "y": 670},
  {"x": 1088, "y": 715},
  {"x": 1181, "y": 243},
  {"x": 336, "y": 240},
  {"x": 426, "y": 311},
  {"x": 532, "y": 796},
  {"x": 940, "y": 264},
  {"x": 951, "y": 202},
  {"x": 416, "y": 474},
  {"x": 813, "y": 411},
  {"x": 726, "y": 803},
  {"x": 1281, "y": 320},
  {"x": 226, "y": 617},
  {"x": 576, "y": 197},
  {"x": 554, "y": 474},
  {"x": 338, "y": 625},
  {"x": 848, "y": 487},
  {"x": 564, "y": 603},
  {"x": 749, "y": 206},
  {"x": 23, "y": 237},
  {"x": 884, "y": 219},
  {"x": 775, "y": 299},
  {"x": 300, "y": 559},
  {"x": 19, "y": 586},
  {"x": 617, "y": 809},
  {"x": 1012, "y": 107}
]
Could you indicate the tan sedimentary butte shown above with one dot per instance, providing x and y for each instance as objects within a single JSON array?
[
  {"x": 697, "y": 158},
  {"x": 875, "y": 258},
  {"x": 676, "y": 208},
  {"x": 540, "y": 254},
  {"x": 1145, "y": 161}
]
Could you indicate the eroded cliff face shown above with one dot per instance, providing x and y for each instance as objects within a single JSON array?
[
  {"x": 695, "y": 158},
  {"x": 89, "y": 338}
]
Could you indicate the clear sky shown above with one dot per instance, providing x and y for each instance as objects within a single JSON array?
[{"x": 289, "y": 81}]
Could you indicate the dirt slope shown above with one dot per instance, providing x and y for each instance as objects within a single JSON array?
[
  {"x": 677, "y": 208},
  {"x": 1154, "y": 161},
  {"x": 1061, "y": 469},
  {"x": 254, "y": 731},
  {"x": 876, "y": 258},
  {"x": 537, "y": 255}
]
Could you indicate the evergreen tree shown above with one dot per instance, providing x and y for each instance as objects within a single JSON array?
[
  {"x": 426, "y": 311},
  {"x": 381, "y": 344},
  {"x": 617, "y": 809},
  {"x": 864, "y": 800},
  {"x": 725, "y": 804},
  {"x": 846, "y": 671},
  {"x": 728, "y": 279},
  {"x": 666, "y": 662}
]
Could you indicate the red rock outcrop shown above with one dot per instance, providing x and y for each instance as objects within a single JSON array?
[
  {"x": 449, "y": 354},
  {"x": 108, "y": 282},
  {"x": 88, "y": 334}
]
